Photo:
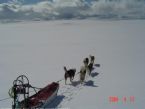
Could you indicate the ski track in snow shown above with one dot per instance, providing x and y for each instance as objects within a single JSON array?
[{"x": 69, "y": 92}]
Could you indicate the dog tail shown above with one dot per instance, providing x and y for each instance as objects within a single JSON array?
[{"x": 65, "y": 69}]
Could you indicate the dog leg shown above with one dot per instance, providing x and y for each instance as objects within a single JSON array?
[
  {"x": 70, "y": 79},
  {"x": 65, "y": 81}
]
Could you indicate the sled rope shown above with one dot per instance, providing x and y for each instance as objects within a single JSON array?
[
  {"x": 36, "y": 88},
  {"x": 60, "y": 80},
  {"x": 5, "y": 99}
]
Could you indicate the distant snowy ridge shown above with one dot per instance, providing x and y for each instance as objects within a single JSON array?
[{"x": 70, "y": 9}]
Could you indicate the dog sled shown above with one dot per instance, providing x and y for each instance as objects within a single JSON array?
[{"x": 21, "y": 94}]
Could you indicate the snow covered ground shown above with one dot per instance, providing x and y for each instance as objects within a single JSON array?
[{"x": 41, "y": 49}]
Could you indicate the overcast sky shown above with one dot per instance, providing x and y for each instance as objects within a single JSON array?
[{"x": 69, "y": 9}]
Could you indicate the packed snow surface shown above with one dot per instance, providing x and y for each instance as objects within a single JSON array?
[{"x": 40, "y": 49}]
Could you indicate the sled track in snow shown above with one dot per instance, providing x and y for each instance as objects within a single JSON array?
[{"x": 67, "y": 92}]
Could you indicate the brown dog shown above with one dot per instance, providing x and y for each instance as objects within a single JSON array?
[{"x": 69, "y": 74}]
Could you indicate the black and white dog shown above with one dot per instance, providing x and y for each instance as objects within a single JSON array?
[{"x": 69, "y": 74}]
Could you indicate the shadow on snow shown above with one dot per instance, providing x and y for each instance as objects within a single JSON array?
[
  {"x": 56, "y": 101},
  {"x": 94, "y": 74},
  {"x": 90, "y": 83}
]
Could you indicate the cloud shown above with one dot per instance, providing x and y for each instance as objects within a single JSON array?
[
  {"x": 70, "y": 9},
  {"x": 119, "y": 9}
]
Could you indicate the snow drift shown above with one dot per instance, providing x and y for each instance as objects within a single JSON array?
[{"x": 69, "y": 9}]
